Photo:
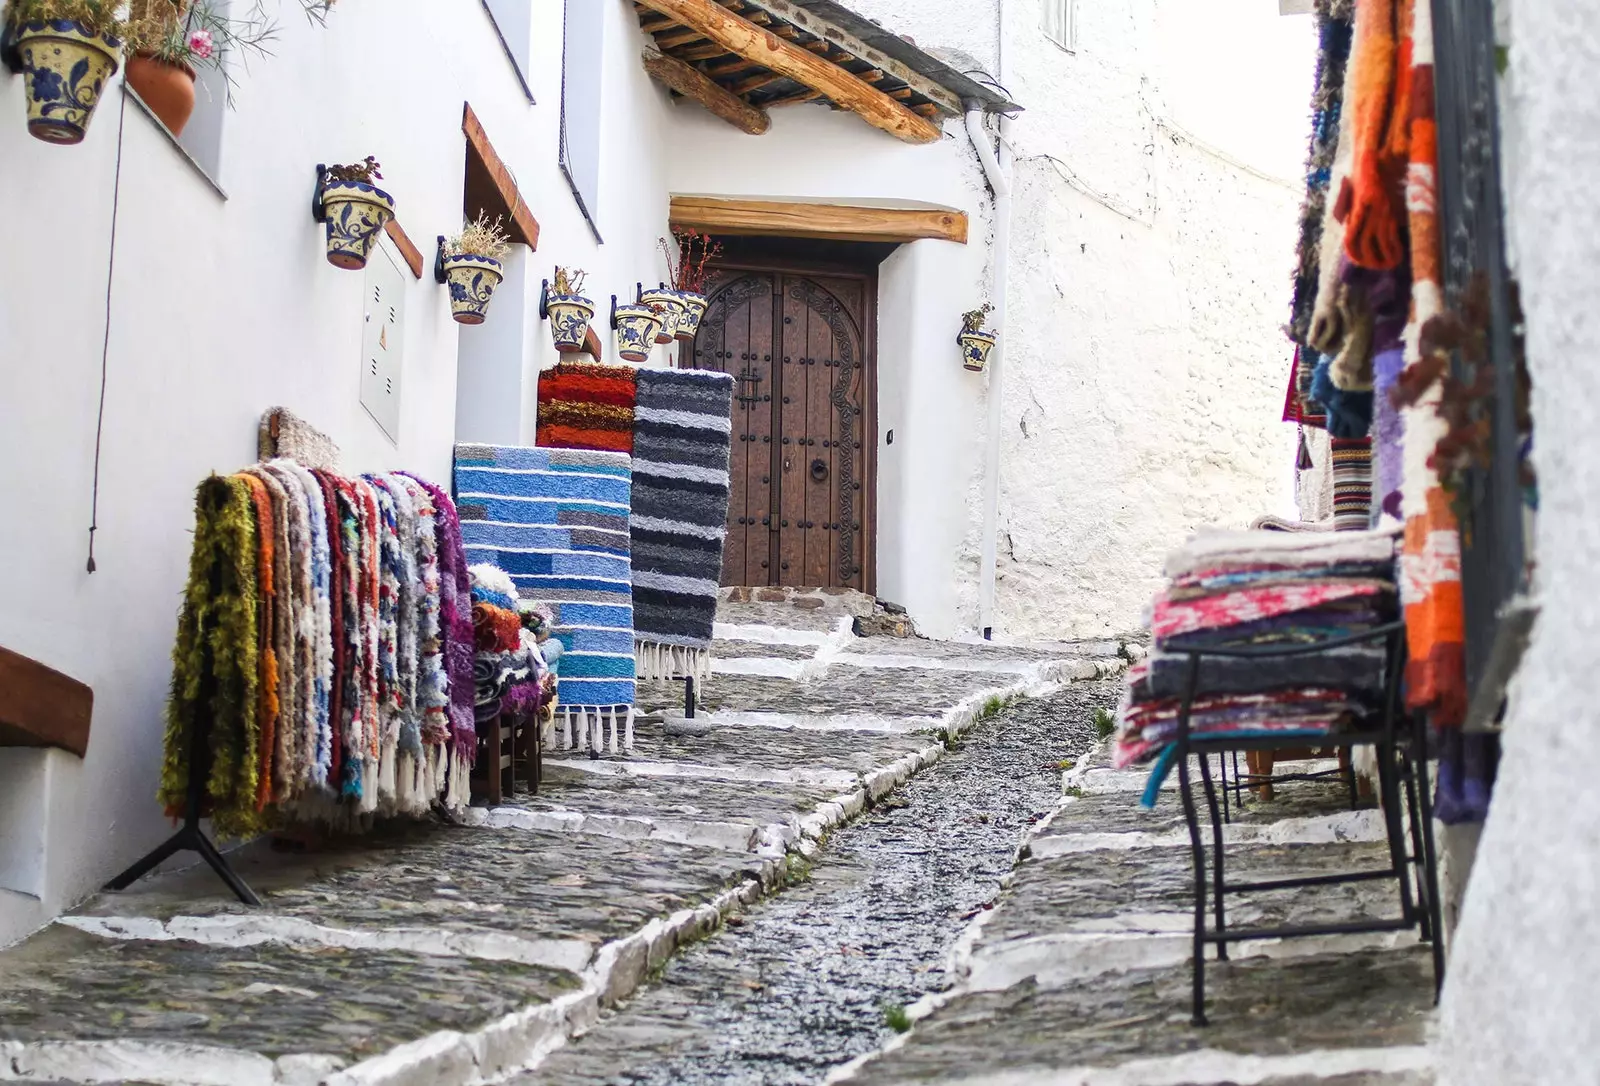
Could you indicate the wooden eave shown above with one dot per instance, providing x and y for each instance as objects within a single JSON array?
[{"x": 761, "y": 54}]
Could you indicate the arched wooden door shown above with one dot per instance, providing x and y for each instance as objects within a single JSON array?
[{"x": 799, "y": 347}]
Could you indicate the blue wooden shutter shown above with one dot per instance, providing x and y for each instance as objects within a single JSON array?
[
  {"x": 514, "y": 21},
  {"x": 582, "y": 53}
]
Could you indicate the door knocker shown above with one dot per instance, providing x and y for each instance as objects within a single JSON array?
[{"x": 819, "y": 469}]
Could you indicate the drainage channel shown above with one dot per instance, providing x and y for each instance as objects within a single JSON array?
[{"x": 816, "y": 975}]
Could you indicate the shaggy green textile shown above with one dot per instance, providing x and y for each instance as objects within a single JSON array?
[{"x": 215, "y": 663}]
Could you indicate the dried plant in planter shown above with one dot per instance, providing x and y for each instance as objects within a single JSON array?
[
  {"x": 483, "y": 237},
  {"x": 972, "y": 320},
  {"x": 689, "y": 255},
  {"x": 363, "y": 173},
  {"x": 96, "y": 16},
  {"x": 569, "y": 281}
]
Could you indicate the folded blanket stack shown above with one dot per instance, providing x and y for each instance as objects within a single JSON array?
[
  {"x": 556, "y": 520},
  {"x": 509, "y": 672},
  {"x": 1261, "y": 588}
]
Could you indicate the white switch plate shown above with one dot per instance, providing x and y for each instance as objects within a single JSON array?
[{"x": 382, "y": 349}]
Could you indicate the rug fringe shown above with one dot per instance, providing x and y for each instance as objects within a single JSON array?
[
  {"x": 664, "y": 663},
  {"x": 595, "y": 727}
]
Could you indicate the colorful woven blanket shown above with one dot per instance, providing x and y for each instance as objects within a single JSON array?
[
  {"x": 556, "y": 520},
  {"x": 586, "y": 405},
  {"x": 681, "y": 444}
]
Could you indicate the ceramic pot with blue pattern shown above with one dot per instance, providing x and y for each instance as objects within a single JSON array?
[
  {"x": 569, "y": 320},
  {"x": 354, "y": 212},
  {"x": 694, "y": 308},
  {"x": 975, "y": 348},
  {"x": 472, "y": 280},
  {"x": 65, "y": 67},
  {"x": 671, "y": 303},
  {"x": 637, "y": 327}
]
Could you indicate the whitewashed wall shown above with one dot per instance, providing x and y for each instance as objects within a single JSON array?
[
  {"x": 222, "y": 308},
  {"x": 1524, "y": 976}
]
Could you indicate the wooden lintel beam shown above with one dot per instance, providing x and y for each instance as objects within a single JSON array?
[
  {"x": 715, "y": 215},
  {"x": 692, "y": 83},
  {"x": 787, "y": 10},
  {"x": 739, "y": 35}
]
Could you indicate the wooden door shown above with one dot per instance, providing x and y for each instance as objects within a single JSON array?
[{"x": 799, "y": 346}]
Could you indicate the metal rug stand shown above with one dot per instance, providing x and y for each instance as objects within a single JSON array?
[{"x": 1401, "y": 743}]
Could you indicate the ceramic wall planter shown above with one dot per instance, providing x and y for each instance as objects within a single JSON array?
[
  {"x": 168, "y": 89},
  {"x": 975, "y": 348},
  {"x": 694, "y": 308},
  {"x": 65, "y": 68},
  {"x": 472, "y": 280},
  {"x": 638, "y": 326},
  {"x": 569, "y": 320},
  {"x": 354, "y": 212},
  {"x": 671, "y": 303}
]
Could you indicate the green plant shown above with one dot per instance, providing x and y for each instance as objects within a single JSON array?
[
  {"x": 96, "y": 16},
  {"x": 569, "y": 281},
  {"x": 895, "y": 1016},
  {"x": 972, "y": 320},
  {"x": 482, "y": 236},
  {"x": 1105, "y": 722},
  {"x": 360, "y": 173}
]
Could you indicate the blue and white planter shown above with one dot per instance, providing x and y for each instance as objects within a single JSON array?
[
  {"x": 637, "y": 327},
  {"x": 569, "y": 320},
  {"x": 472, "y": 280},
  {"x": 671, "y": 305},
  {"x": 694, "y": 308},
  {"x": 355, "y": 212},
  {"x": 65, "y": 68},
  {"x": 975, "y": 348}
]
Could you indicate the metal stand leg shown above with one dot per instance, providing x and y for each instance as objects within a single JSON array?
[
  {"x": 1414, "y": 817},
  {"x": 1389, "y": 793},
  {"x": 688, "y": 697},
  {"x": 1222, "y": 776},
  {"x": 1430, "y": 869},
  {"x": 1197, "y": 850},
  {"x": 1216, "y": 852}
]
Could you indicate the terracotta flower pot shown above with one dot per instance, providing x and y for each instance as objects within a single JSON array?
[
  {"x": 671, "y": 307},
  {"x": 694, "y": 308},
  {"x": 569, "y": 320},
  {"x": 65, "y": 66},
  {"x": 472, "y": 280},
  {"x": 354, "y": 212},
  {"x": 975, "y": 348},
  {"x": 637, "y": 326},
  {"x": 167, "y": 88}
]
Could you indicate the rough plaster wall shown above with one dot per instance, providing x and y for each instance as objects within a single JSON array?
[
  {"x": 222, "y": 308},
  {"x": 1520, "y": 999},
  {"x": 1145, "y": 372}
]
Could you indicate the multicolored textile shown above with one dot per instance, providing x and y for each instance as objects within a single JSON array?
[
  {"x": 678, "y": 526},
  {"x": 586, "y": 405},
  {"x": 1352, "y": 484},
  {"x": 556, "y": 520},
  {"x": 1327, "y": 100}
]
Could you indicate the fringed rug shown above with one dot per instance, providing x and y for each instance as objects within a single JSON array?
[
  {"x": 681, "y": 442},
  {"x": 585, "y": 405},
  {"x": 556, "y": 520},
  {"x": 1352, "y": 484},
  {"x": 283, "y": 433}
]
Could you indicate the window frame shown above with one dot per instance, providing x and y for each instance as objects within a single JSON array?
[{"x": 1069, "y": 17}]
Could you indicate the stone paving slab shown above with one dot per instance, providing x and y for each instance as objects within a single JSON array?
[
  {"x": 954, "y": 652},
  {"x": 668, "y": 798},
  {"x": 841, "y": 690},
  {"x": 1258, "y": 1007},
  {"x": 771, "y": 748},
  {"x": 785, "y": 616},
  {"x": 575, "y": 891},
  {"x": 272, "y": 1000},
  {"x": 746, "y": 650},
  {"x": 1113, "y": 812}
]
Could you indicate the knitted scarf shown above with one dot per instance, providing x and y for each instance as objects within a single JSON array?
[
  {"x": 1430, "y": 561},
  {"x": 1370, "y": 204},
  {"x": 338, "y": 574},
  {"x": 1327, "y": 98},
  {"x": 215, "y": 661},
  {"x": 433, "y": 682},
  {"x": 455, "y": 592},
  {"x": 315, "y": 744},
  {"x": 267, "y": 704},
  {"x": 296, "y": 612}
]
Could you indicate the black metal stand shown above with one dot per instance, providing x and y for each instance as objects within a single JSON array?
[
  {"x": 688, "y": 697},
  {"x": 1402, "y": 759},
  {"x": 190, "y": 837}
]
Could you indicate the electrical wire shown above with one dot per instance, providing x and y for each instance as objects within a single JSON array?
[{"x": 105, "y": 343}]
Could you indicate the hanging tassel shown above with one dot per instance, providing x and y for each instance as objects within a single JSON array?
[{"x": 629, "y": 744}]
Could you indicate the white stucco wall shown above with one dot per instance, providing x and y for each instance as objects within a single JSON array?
[
  {"x": 1524, "y": 981},
  {"x": 222, "y": 308}
]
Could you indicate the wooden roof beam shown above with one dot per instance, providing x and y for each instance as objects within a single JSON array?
[
  {"x": 740, "y": 36},
  {"x": 716, "y": 215},
  {"x": 690, "y": 82},
  {"x": 678, "y": 37}
]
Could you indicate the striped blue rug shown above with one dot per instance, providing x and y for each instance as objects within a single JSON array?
[{"x": 556, "y": 520}]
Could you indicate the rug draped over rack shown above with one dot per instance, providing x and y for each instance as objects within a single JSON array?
[
  {"x": 681, "y": 448},
  {"x": 585, "y": 405},
  {"x": 556, "y": 520}
]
